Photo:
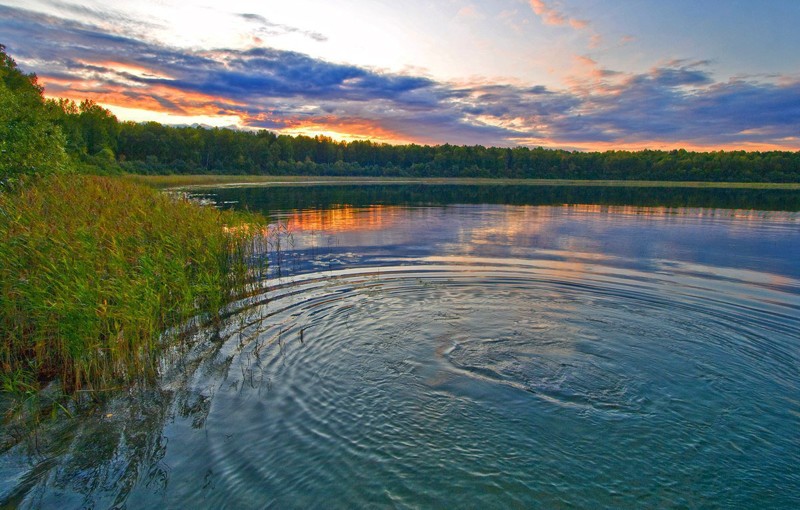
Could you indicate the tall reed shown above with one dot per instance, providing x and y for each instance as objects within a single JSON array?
[{"x": 93, "y": 270}]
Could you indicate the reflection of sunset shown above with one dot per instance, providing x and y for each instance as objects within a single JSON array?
[
  {"x": 508, "y": 226},
  {"x": 662, "y": 213},
  {"x": 343, "y": 219},
  {"x": 574, "y": 246}
]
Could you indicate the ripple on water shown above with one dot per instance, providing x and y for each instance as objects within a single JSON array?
[
  {"x": 488, "y": 382},
  {"x": 468, "y": 382}
]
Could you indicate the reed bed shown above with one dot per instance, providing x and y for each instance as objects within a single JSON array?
[{"x": 94, "y": 270}]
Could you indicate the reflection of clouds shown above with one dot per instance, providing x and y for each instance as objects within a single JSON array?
[
  {"x": 587, "y": 237},
  {"x": 671, "y": 213},
  {"x": 528, "y": 229},
  {"x": 580, "y": 228},
  {"x": 508, "y": 224},
  {"x": 335, "y": 229}
]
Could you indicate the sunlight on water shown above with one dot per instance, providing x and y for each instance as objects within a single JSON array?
[{"x": 472, "y": 356}]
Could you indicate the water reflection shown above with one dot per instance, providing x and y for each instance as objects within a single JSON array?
[
  {"x": 342, "y": 219},
  {"x": 636, "y": 236},
  {"x": 422, "y": 355},
  {"x": 333, "y": 196},
  {"x": 116, "y": 444}
]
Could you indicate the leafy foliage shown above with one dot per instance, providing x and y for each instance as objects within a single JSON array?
[
  {"x": 30, "y": 142},
  {"x": 91, "y": 134}
]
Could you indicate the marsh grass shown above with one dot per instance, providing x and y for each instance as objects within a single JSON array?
[{"x": 95, "y": 270}]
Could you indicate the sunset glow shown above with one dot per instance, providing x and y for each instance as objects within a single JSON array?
[
  {"x": 568, "y": 74},
  {"x": 343, "y": 219}
]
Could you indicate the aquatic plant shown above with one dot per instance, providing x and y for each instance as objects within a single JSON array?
[{"x": 95, "y": 270}]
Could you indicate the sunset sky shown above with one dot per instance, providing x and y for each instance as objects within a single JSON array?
[{"x": 572, "y": 74}]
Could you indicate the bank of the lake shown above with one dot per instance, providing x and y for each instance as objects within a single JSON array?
[
  {"x": 95, "y": 269},
  {"x": 215, "y": 181}
]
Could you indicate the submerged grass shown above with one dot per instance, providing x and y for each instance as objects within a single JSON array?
[{"x": 95, "y": 269}]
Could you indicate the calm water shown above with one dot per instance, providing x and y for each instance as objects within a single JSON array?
[{"x": 462, "y": 347}]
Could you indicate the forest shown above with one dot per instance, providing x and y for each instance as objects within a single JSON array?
[
  {"x": 96, "y": 137},
  {"x": 95, "y": 140}
]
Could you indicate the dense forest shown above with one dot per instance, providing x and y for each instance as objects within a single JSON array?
[
  {"x": 154, "y": 148},
  {"x": 94, "y": 139}
]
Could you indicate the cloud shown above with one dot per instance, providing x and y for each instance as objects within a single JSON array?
[
  {"x": 680, "y": 105},
  {"x": 107, "y": 16},
  {"x": 551, "y": 16},
  {"x": 269, "y": 29},
  {"x": 681, "y": 76},
  {"x": 674, "y": 104},
  {"x": 555, "y": 17},
  {"x": 469, "y": 12}
]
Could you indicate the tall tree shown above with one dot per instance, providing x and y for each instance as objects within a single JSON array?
[{"x": 30, "y": 143}]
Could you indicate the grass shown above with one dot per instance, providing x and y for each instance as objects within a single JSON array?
[
  {"x": 95, "y": 269},
  {"x": 197, "y": 181}
]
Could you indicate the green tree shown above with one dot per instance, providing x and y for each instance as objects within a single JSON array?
[{"x": 30, "y": 143}]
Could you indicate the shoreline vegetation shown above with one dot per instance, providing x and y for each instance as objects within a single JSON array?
[
  {"x": 96, "y": 269},
  {"x": 100, "y": 275},
  {"x": 199, "y": 181}
]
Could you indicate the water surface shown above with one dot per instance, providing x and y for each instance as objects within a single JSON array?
[{"x": 416, "y": 351}]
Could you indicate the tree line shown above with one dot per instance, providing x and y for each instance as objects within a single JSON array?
[
  {"x": 88, "y": 136},
  {"x": 154, "y": 148}
]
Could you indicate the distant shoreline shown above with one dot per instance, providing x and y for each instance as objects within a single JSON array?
[{"x": 178, "y": 182}]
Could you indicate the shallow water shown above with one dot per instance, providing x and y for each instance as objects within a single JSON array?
[{"x": 481, "y": 355}]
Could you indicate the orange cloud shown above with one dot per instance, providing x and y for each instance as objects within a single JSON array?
[
  {"x": 586, "y": 72},
  {"x": 596, "y": 102},
  {"x": 586, "y": 65},
  {"x": 156, "y": 97},
  {"x": 552, "y": 16},
  {"x": 469, "y": 12},
  {"x": 165, "y": 100},
  {"x": 578, "y": 24},
  {"x": 347, "y": 129}
]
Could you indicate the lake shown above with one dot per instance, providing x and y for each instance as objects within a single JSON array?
[{"x": 427, "y": 346}]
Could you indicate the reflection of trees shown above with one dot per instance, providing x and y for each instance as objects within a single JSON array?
[
  {"x": 289, "y": 197},
  {"x": 96, "y": 459}
]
